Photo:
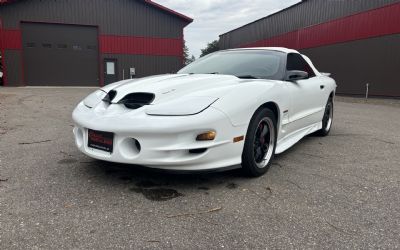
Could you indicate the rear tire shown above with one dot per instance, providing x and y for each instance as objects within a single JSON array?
[
  {"x": 327, "y": 120},
  {"x": 260, "y": 143}
]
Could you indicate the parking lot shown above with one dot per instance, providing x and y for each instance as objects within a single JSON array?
[{"x": 340, "y": 191}]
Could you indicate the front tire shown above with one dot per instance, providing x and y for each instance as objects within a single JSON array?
[
  {"x": 260, "y": 143},
  {"x": 327, "y": 119}
]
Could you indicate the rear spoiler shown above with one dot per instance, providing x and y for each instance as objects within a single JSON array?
[{"x": 326, "y": 74}]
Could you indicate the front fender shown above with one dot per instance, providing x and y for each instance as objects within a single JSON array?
[{"x": 242, "y": 102}]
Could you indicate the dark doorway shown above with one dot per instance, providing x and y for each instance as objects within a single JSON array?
[
  {"x": 110, "y": 70},
  {"x": 60, "y": 54}
]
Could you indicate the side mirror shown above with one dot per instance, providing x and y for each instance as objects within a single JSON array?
[{"x": 294, "y": 75}]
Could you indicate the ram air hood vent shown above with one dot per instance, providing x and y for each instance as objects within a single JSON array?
[
  {"x": 137, "y": 100},
  {"x": 170, "y": 87}
]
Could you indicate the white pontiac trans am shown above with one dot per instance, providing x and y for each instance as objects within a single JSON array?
[{"x": 233, "y": 108}]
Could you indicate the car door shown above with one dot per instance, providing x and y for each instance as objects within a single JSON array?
[{"x": 306, "y": 105}]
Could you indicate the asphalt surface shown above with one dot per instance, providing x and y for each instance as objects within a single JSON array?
[{"x": 340, "y": 191}]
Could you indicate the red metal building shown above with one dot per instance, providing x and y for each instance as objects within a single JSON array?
[
  {"x": 357, "y": 41},
  {"x": 91, "y": 42}
]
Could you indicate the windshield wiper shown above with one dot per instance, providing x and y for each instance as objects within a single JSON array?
[{"x": 247, "y": 77}]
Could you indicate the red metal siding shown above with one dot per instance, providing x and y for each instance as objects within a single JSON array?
[
  {"x": 10, "y": 39},
  {"x": 2, "y": 54},
  {"x": 373, "y": 23},
  {"x": 140, "y": 45},
  {"x": 133, "y": 26}
]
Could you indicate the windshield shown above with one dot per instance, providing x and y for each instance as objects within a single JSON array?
[{"x": 261, "y": 64}]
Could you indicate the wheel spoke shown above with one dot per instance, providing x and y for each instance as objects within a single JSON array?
[
  {"x": 327, "y": 115},
  {"x": 264, "y": 131},
  {"x": 261, "y": 142},
  {"x": 258, "y": 154}
]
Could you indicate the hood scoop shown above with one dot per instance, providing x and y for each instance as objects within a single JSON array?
[{"x": 137, "y": 100}]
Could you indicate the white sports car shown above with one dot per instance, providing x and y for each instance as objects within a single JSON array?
[{"x": 233, "y": 108}]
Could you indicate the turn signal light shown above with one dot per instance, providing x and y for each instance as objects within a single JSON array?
[
  {"x": 238, "y": 139},
  {"x": 207, "y": 136}
]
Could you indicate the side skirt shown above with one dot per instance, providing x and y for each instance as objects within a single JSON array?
[{"x": 292, "y": 138}]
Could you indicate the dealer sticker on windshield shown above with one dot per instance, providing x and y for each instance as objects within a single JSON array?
[{"x": 100, "y": 140}]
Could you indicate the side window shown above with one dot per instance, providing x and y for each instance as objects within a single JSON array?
[{"x": 297, "y": 62}]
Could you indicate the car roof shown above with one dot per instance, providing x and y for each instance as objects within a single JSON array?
[{"x": 281, "y": 49}]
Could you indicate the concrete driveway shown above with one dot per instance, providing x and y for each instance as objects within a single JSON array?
[{"x": 341, "y": 191}]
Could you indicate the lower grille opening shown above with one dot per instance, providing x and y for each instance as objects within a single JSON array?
[{"x": 197, "y": 150}]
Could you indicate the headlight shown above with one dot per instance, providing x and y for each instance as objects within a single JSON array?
[
  {"x": 94, "y": 98},
  {"x": 189, "y": 105}
]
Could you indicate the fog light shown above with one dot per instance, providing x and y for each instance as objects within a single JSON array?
[{"x": 207, "y": 136}]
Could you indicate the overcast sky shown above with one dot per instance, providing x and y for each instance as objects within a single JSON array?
[{"x": 215, "y": 17}]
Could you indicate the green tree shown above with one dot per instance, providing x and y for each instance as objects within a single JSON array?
[
  {"x": 211, "y": 47},
  {"x": 185, "y": 53},
  {"x": 187, "y": 59},
  {"x": 190, "y": 60}
]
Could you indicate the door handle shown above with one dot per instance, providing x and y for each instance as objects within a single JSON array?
[{"x": 321, "y": 86}]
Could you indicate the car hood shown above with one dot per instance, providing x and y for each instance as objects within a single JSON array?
[
  {"x": 173, "y": 86},
  {"x": 182, "y": 94}
]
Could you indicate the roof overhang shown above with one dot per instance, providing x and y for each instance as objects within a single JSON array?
[
  {"x": 150, "y": 2},
  {"x": 170, "y": 11}
]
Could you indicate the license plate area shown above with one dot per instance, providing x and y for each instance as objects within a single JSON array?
[{"x": 101, "y": 140}]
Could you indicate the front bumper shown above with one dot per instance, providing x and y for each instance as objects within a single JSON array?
[{"x": 166, "y": 142}]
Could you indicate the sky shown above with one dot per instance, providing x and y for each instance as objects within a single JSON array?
[{"x": 215, "y": 17}]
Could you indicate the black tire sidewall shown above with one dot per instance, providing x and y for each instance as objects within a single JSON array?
[
  {"x": 323, "y": 131},
  {"x": 248, "y": 162}
]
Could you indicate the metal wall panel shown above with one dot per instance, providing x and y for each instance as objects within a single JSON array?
[
  {"x": 141, "y": 45},
  {"x": 372, "y": 23},
  {"x": 13, "y": 61},
  {"x": 301, "y": 15},
  {"x": 114, "y": 17},
  {"x": 59, "y": 54},
  {"x": 132, "y": 19},
  {"x": 145, "y": 64},
  {"x": 354, "y": 64}
]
